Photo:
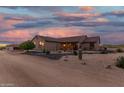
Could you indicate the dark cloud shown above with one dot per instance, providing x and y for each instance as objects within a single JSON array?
[
  {"x": 94, "y": 24},
  {"x": 64, "y": 16},
  {"x": 37, "y": 9},
  {"x": 13, "y": 18},
  {"x": 45, "y": 8},
  {"x": 21, "y": 18},
  {"x": 33, "y": 24},
  {"x": 69, "y": 18},
  {"x": 114, "y": 13}
]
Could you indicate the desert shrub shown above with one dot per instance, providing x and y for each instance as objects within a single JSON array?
[
  {"x": 27, "y": 45},
  {"x": 120, "y": 62},
  {"x": 119, "y": 50},
  {"x": 75, "y": 52},
  {"x": 1, "y": 48}
]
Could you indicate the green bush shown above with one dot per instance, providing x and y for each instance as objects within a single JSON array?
[
  {"x": 119, "y": 50},
  {"x": 27, "y": 45},
  {"x": 120, "y": 62}
]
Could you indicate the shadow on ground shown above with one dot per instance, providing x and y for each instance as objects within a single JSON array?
[{"x": 56, "y": 56}]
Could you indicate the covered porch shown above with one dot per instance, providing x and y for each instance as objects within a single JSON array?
[{"x": 66, "y": 46}]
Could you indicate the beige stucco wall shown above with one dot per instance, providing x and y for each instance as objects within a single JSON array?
[
  {"x": 37, "y": 45},
  {"x": 52, "y": 46},
  {"x": 85, "y": 46},
  {"x": 97, "y": 46}
]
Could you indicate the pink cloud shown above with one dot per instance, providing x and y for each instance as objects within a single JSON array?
[
  {"x": 65, "y": 32},
  {"x": 26, "y": 34},
  {"x": 4, "y": 24},
  {"x": 1, "y": 17},
  {"x": 17, "y": 35},
  {"x": 101, "y": 20},
  {"x": 86, "y": 8},
  {"x": 80, "y": 15},
  {"x": 10, "y": 23}
]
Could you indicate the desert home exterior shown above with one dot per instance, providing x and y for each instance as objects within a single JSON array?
[{"x": 66, "y": 43}]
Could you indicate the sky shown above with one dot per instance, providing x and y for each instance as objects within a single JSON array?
[{"x": 22, "y": 23}]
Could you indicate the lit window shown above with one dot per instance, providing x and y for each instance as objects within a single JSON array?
[
  {"x": 64, "y": 45},
  {"x": 41, "y": 43},
  {"x": 35, "y": 43}
]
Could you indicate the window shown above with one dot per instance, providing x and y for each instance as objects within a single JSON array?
[
  {"x": 41, "y": 43},
  {"x": 64, "y": 45},
  {"x": 34, "y": 43}
]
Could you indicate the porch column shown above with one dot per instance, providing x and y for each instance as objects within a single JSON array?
[{"x": 79, "y": 45}]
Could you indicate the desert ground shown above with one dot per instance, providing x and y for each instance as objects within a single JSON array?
[{"x": 26, "y": 70}]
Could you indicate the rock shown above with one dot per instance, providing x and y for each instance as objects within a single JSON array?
[
  {"x": 108, "y": 67},
  {"x": 66, "y": 58},
  {"x": 83, "y": 63}
]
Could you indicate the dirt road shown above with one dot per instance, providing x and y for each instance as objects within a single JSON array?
[{"x": 26, "y": 70}]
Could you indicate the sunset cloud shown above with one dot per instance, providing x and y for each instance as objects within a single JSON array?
[
  {"x": 23, "y": 23},
  {"x": 76, "y": 16},
  {"x": 81, "y": 15},
  {"x": 102, "y": 20},
  {"x": 65, "y": 31},
  {"x": 6, "y": 24},
  {"x": 86, "y": 8},
  {"x": 21, "y": 35},
  {"x": 117, "y": 13},
  {"x": 17, "y": 35}
]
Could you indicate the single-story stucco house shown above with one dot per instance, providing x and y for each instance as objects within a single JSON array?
[{"x": 66, "y": 43}]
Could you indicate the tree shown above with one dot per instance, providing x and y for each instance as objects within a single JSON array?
[{"x": 27, "y": 45}]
